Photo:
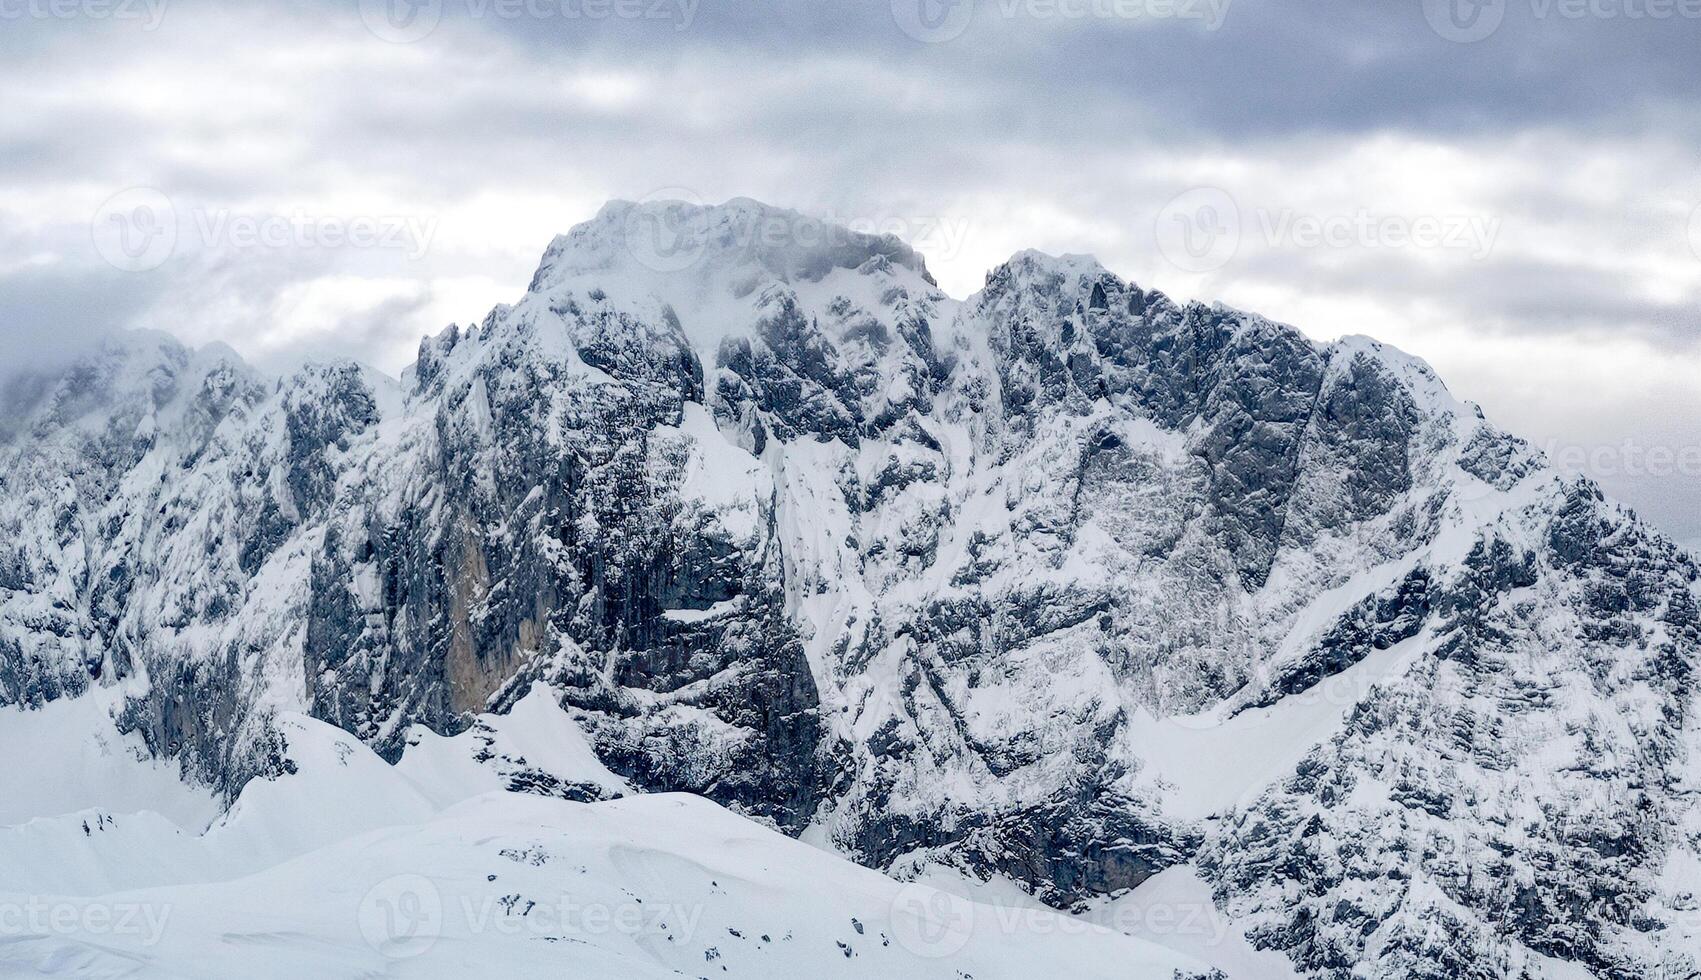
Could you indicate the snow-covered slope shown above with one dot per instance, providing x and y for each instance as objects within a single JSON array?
[
  {"x": 1063, "y": 585},
  {"x": 65, "y": 757},
  {"x": 341, "y": 868}
]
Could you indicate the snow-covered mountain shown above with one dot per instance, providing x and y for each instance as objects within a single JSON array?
[{"x": 1064, "y": 586}]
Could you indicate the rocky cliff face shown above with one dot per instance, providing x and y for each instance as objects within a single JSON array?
[{"x": 1065, "y": 583}]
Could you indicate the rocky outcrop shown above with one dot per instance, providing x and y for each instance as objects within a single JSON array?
[{"x": 780, "y": 523}]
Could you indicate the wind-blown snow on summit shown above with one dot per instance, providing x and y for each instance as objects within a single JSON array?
[{"x": 1064, "y": 583}]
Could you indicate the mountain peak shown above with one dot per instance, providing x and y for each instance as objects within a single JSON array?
[
  {"x": 1071, "y": 263},
  {"x": 714, "y": 263},
  {"x": 681, "y": 240}
]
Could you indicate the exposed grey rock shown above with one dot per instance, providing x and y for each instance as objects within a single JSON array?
[{"x": 789, "y": 528}]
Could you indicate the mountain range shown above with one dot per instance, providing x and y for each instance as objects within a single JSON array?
[{"x": 1065, "y": 595}]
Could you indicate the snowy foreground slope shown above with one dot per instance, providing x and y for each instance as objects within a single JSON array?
[
  {"x": 1062, "y": 594},
  {"x": 349, "y": 867}
]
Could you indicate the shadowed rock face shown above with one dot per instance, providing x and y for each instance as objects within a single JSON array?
[{"x": 788, "y": 527}]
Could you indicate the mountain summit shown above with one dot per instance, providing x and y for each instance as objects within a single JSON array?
[{"x": 1065, "y": 584}]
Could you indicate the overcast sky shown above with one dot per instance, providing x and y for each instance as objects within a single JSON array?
[{"x": 1508, "y": 188}]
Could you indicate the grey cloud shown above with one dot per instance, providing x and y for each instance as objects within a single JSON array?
[
  {"x": 49, "y": 315},
  {"x": 827, "y": 107},
  {"x": 1511, "y": 294},
  {"x": 1271, "y": 67}
]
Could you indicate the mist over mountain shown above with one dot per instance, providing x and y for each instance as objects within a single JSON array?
[{"x": 1063, "y": 591}]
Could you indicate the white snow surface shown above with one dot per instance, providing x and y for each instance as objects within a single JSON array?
[
  {"x": 354, "y": 868},
  {"x": 536, "y": 730},
  {"x": 67, "y": 757},
  {"x": 1207, "y": 764}
]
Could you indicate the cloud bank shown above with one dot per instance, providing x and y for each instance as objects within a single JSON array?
[{"x": 1507, "y": 188}]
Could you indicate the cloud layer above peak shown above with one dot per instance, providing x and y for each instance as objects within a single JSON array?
[{"x": 1505, "y": 187}]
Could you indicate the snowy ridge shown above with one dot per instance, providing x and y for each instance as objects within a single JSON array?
[
  {"x": 1064, "y": 585},
  {"x": 385, "y": 881}
]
